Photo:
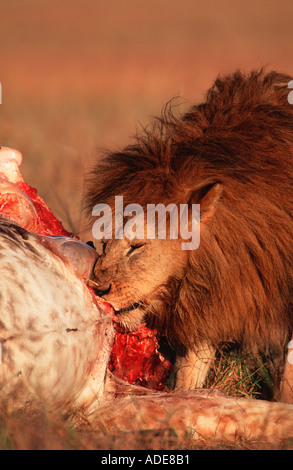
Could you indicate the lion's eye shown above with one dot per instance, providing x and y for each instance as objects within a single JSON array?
[{"x": 133, "y": 248}]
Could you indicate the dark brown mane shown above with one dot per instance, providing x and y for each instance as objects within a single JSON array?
[{"x": 238, "y": 284}]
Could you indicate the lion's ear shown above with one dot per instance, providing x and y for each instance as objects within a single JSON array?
[
  {"x": 208, "y": 197},
  {"x": 209, "y": 200}
]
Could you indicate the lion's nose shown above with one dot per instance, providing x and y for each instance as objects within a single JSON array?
[{"x": 101, "y": 292}]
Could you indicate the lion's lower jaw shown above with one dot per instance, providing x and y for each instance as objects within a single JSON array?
[{"x": 131, "y": 320}]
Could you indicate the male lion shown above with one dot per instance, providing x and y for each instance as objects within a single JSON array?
[{"x": 233, "y": 155}]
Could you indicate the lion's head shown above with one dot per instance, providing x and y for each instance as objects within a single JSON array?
[
  {"x": 142, "y": 278},
  {"x": 136, "y": 276}
]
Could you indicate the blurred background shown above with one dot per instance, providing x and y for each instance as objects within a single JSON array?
[{"x": 79, "y": 76}]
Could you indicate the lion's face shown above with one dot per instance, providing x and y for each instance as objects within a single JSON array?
[{"x": 133, "y": 274}]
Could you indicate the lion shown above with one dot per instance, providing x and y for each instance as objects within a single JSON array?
[{"x": 232, "y": 154}]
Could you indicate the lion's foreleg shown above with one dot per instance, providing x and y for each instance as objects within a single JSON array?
[
  {"x": 286, "y": 387},
  {"x": 191, "y": 370}
]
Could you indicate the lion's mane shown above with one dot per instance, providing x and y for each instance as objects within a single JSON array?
[{"x": 238, "y": 285}]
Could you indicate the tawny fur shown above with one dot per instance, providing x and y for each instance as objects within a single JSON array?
[{"x": 238, "y": 285}]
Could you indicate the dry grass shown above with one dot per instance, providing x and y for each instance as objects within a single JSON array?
[{"x": 240, "y": 375}]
